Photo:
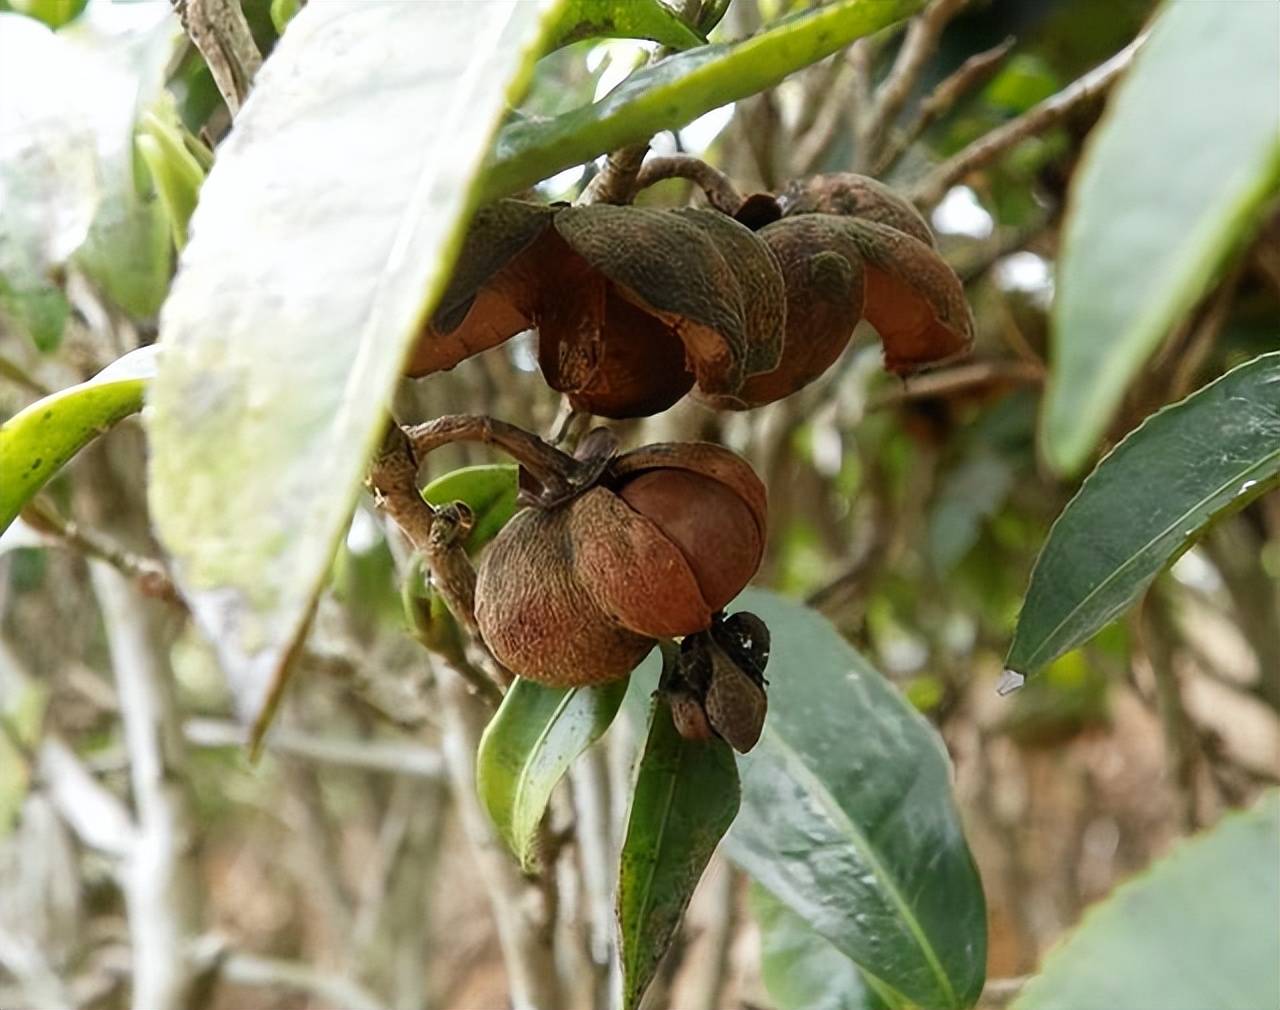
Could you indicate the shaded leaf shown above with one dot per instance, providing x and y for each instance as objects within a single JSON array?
[
  {"x": 490, "y": 492},
  {"x": 685, "y": 798},
  {"x": 847, "y": 817},
  {"x": 623, "y": 19},
  {"x": 528, "y": 746},
  {"x": 1137, "y": 511},
  {"x": 1172, "y": 181},
  {"x": 680, "y": 88},
  {"x": 801, "y": 970},
  {"x": 174, "y": 171},
  {"x": 281, "y": 352},
  {"x": 1199, "y": 929},
  {"x": 38, "y": 440},
  {"x": 127, "y": 253},
  {"x": 48, "y": 172}
]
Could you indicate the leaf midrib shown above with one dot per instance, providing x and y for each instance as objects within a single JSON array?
[
  {"x": 1032, "y": 660},
  {"x": 525, "y": 776},
  {"x": 668, "y": 801},
  {"x": 842, "y": 820}
]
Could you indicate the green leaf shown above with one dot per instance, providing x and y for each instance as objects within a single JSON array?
[
  {"x": 174, "y": 170},
  {"x": 680, "y": 88},
  {"x": 527, "y": 747},
  {"x": 307, "y": 276},
  {"x": 623, "y": 19},
  {"x": 127, "y": 253},
  {"x": 54, "y": 13},
  {"x": 685, "y": 798},
  {"x": 1173, "y": 180},
  {"x": 801, "y": 970},
  {"x": 847, "y": 817},
  {"x": 1197, "y": 930},
  {"x": 1154, "y": 493},
  {"x": 38, "y": 440},
  {"x": 282, "y": 12},
  {"x": 490, "y": 492},
  {"x": 48, "y": 172}
]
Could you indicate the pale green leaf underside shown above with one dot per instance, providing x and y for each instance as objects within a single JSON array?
[
  {"x": 324, "y": 232},
  {"x": 38, "y": 440},
  {"x": 1156, "y": 491},
  {"x": 626, "y": 19},
  {"x": 1174, "y": 179},
  {"x": 679, "y": 89},
  {"x": 1199, "y": 929},
  {"x": 528, "y": 746}
]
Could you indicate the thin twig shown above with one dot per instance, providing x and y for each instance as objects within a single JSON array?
[
  {"x": 367, "y": 755},
  {"x": 972, "y": 73},
  {"x": 253, "y": 970},
  {"x": 917, "y": 47},
  {"x": 150, "y": 575},
  {"x": 219, "y": 30},
  {"x": 161, "y": 880},
  {"x": 1035, "y": 120},
  {"x": 520, "y": 913},
  {"x": 721, "y": 193}
]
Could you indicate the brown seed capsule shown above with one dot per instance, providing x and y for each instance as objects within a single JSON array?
[
  {"x": 823, "y": 276},
  {"x": 576, "y": 593},
  {"x": 632, "y": 304},
  {"x": 719, "y": 682},
  {"x": 849, "y": 195}
]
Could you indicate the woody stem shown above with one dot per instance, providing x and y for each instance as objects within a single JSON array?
[{"x": 556, "y": 471}]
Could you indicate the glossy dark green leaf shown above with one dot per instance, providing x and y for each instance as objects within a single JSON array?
[
  {"x": 681, "y": 88},
  {"x": 281, "y": 351},
  {"x": 1199, "y": 929},
  {"x": 801, "y": 970},
  {"x": 686, "y": 796},
  {"x": 1155, "y": 492},
  {"x": 490, "y": 492},
  {"x": 38, "y": 440},
  {"x": 528, "y": 746},
  {"x": 847, "y": 817},
  {"x": 1174, "y": 178},
  {"x": 623, "y": 19}
]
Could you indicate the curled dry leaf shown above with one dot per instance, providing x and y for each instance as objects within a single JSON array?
[{"x": 576, "y": 594}]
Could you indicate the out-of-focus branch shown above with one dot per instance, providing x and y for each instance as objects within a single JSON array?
[
  {"x": 219, "y": 30},
  {"x": 726, "y": 887},
  {"x": 92, "y": 811},
  {"x": 523, "y": 920},
  {"x": 973, "y": 72},
  {"x": 160, "y": 877},
  {"x": 152, "y": 578},
  {"x": 958, "y": 379},
  {"x": 1035, "y": 120},
  {"x": 385, "y": 756},
  {"x": 1158, "y": 637},
  {"x": 252, "y": 970},
  {"x": 917, "y": 47}
]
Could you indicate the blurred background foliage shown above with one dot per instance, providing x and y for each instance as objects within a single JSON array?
[{"x": 909, "y": 514}]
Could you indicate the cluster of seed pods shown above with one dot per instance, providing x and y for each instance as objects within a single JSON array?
[{"x": 634, "y": 308}]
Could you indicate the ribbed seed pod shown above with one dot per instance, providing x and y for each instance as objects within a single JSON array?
[{"x": 575, "y": 594}]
